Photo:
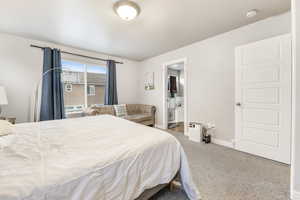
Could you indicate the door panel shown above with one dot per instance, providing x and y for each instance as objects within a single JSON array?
[
  {"x": 260, "y": 116},
  {"x": 263, "y": 97},
  {"x": 256, "y": 53},
  {"x": 268, "y": 74},
  {"x": 260, "y": 136}
]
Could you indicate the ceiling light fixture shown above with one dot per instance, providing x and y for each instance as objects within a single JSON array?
[
  {"x": 252, "y": 13},
  {"x": 127, "y": 10}
]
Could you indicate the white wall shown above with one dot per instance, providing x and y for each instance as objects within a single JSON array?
[
  {"x": 21, "y": 68},
  {"x": 211, "y": 73},
  {"x": 296, "y": 103}
]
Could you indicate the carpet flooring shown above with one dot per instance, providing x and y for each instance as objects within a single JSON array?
[{"x": 222, "y": 173}]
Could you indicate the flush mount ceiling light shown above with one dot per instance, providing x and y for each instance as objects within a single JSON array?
[
  {"x": 251, "y": 13},
  {"x": 127, "y": 10}
]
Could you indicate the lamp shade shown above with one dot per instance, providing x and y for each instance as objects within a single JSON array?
[{"x": 3, "y": 97}]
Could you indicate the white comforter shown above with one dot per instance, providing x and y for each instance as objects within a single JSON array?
[{"x": 92, "y": 158}]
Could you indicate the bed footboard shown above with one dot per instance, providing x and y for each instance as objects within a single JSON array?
[{"x": 174, "y": 183}]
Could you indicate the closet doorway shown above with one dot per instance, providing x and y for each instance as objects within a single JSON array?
[{"x": 175, "y": 96}]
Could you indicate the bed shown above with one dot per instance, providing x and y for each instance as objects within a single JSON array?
[{"x": 91, "y": 158}]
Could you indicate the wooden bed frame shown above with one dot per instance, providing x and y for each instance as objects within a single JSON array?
[{"x": 147, "y": 194}]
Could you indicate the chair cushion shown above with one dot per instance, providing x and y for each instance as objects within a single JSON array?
[
  {"x": 133, "y": 109},
  {"x": 138, "y": 117},
  {"x": 120, "y": 110},
  {"x": 100, "y": 110}
]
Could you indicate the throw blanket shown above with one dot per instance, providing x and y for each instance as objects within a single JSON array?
[{"x": 91, "y": 158}]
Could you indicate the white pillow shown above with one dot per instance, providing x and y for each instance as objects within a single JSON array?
[
  {"x": 121, "y": 110},
  {"x": 6, "y": 141},
  {"x": 6, "y": 128}
]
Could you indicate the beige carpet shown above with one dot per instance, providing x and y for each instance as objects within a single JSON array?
[{"x": 225, "y": 174}]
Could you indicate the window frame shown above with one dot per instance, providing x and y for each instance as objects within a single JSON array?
[
  {"x": 89, "y": 93},
  {"x": 85, "y": 71}
]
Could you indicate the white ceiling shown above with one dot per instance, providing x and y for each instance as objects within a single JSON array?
[{"x": 163, "y": 25}]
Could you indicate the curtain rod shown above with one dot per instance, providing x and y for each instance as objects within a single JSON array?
[{"x": 75, "y": 54}]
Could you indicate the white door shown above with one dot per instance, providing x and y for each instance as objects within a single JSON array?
[{"x": 263, "y": 98}]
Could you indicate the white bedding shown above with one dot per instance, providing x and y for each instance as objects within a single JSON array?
[{"x": 92, "y": 158}]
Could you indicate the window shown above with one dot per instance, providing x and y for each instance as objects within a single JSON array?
[
  {"x": 91, "y": 91},
  {"x": 84, "y": 86},
  {"x": 68, "y": 87}
]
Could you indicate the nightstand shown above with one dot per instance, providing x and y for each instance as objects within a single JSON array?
[{"x": 9, "y": 119}]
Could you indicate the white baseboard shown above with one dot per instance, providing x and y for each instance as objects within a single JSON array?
[
  {"x": 222, "y": 142},
  {"x": 213, "y": 140},
  {"x": 295, "y": 195}
]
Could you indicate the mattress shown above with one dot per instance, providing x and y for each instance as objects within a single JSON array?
[{"x": 91, "y": 158}]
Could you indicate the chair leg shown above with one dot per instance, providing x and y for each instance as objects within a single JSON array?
[{"x": 173, "y": 185}]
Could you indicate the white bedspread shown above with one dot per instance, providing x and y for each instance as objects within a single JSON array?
[{"x": 92, "y": 158}]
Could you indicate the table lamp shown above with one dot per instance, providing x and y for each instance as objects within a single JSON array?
[{"x": 3, "y": 97}]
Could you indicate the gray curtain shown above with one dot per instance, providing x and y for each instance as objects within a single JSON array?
[
  {"x": 52, "y": 100},
  {"x": 111, "y": 95}
]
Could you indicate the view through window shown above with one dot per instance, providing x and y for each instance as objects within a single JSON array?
[{"x": 84, "y": 86}]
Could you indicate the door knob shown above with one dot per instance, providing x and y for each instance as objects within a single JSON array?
[{"x": 238, "y": 104}]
